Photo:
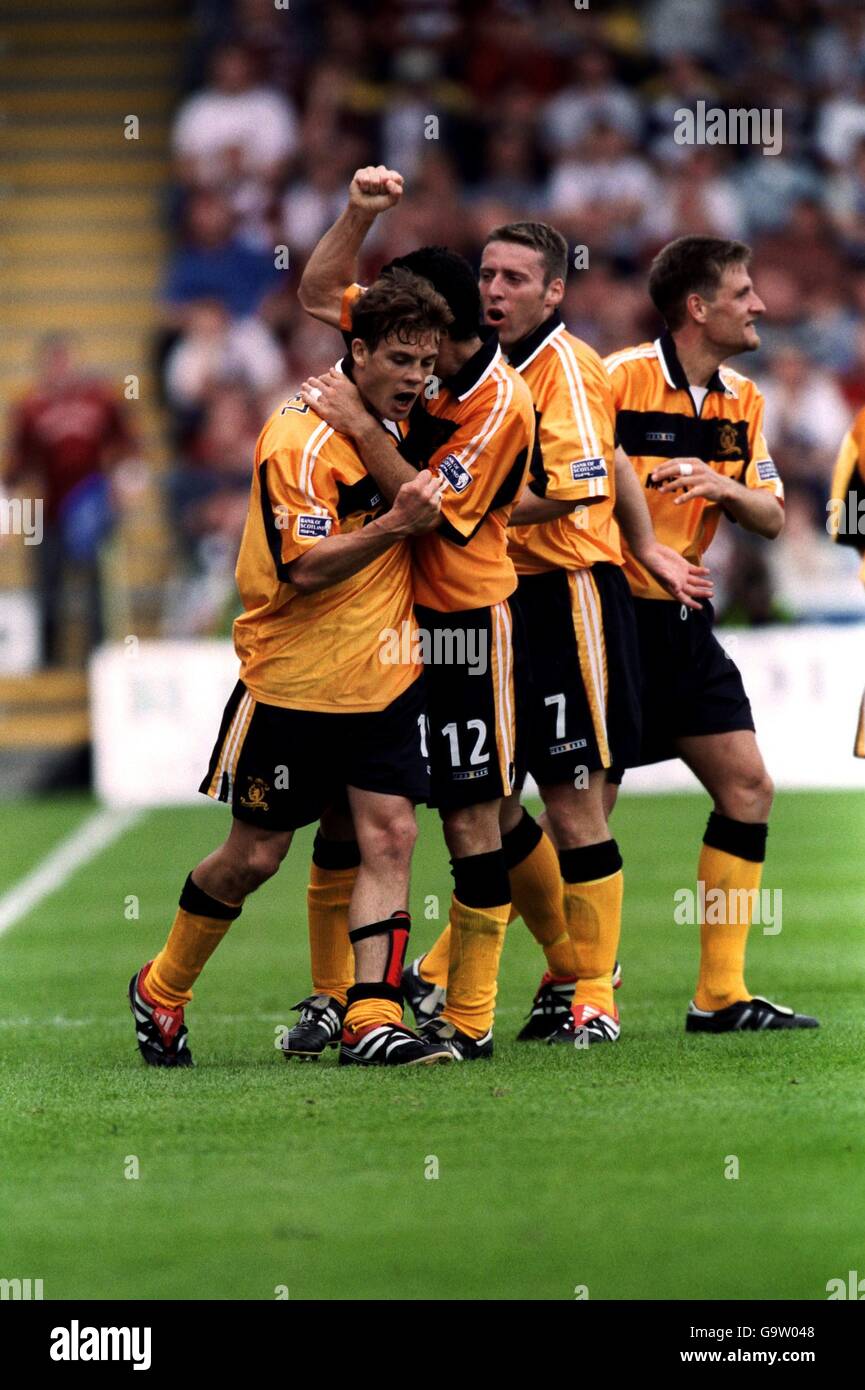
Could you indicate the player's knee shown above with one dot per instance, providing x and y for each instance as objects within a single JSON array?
[
  {"x": 261, "y": 861},
  {"x": 575, "y": 818},
  {"x": 749, "y": 795},
  {"x": 389, "y": 841},
  {"x": 472, "y": 829}
]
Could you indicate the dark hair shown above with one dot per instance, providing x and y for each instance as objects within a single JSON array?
[
  {"x": 541, "y": 237},
  {"x": 691, "y": 265},
  {"x": 398, "y": 305},
  {"x": 453, "y": 278}
]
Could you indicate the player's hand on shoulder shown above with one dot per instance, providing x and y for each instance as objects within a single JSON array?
[
  {"x": 375, "y": 188},
  {"x": 683, "y": 581},
  {"x": 690, "y": 477},
  {"x": 337, "y": 401},
  {"x": 418, "y": 504}
]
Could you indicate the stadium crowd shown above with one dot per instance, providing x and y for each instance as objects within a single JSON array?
[{"x": 496, "y": 110}]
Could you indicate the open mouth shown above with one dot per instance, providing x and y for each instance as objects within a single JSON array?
[
  {"x": 404, "y": 399},
  {"x": 495, "y": 315}
]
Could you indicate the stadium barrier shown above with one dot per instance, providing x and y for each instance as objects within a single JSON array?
[{"x": 156, "y": 708}]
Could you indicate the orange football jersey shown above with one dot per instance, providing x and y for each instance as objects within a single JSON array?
[
  {"x": 573, "y": 456},
  {"x": 319, "y": 651},
  {"x": 485, "y": 459},
  {"x": 657, "y": 419}
]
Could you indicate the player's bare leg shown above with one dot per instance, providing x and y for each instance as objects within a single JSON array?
[
  {"x": 212, "y": 898},
  {"x": 731, "y": 768},
  {"x": 379, "y": 925}
]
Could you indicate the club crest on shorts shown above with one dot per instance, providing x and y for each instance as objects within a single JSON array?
[
  {"x": 255, "y": 795},
  {"x": 458, "y": 477}
]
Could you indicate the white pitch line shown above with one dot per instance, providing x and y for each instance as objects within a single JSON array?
[{"x": 89, "y": 839}]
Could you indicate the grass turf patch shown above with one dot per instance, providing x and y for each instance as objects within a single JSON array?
[{"x": 555, "y": 1169}]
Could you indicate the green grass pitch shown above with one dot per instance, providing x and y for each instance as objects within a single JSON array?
[{"x": 558, "y": 1170}]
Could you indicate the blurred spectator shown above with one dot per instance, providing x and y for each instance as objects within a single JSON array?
[
  {"x": 511, "y": 170},
  {"x": 605, "y": 196},
  {"x": 594, "y": 98},
  {"x": 539, "y": 110},
  {"x": 214, "y": 264},
  {"x": 217, "y": 350},
  {"x": 845, "y": 200},
  {"x": 697, "y": 195},
  {"x": 681, "y": 83},
  {"x": 208, "y": 497},
  {"x": 235, "y": 134},
  {"x": 806, "y": 417},
  {"x": 841, "y": 123},
  {"x": 814, "y": 580},
  {"x": 313, "y": 202},
  {"x": 671, "y": 25},
  {"x": 66, "y": 435}
]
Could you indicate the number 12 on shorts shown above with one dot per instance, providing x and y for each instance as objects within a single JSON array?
[{"x": 476, "y": 731}]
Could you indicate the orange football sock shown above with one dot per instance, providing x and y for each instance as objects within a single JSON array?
[
  {"x": 477, "y": 937},
  {"x": 332, "y": 876},
  {"x": 730, "y": 870},
  {"x": 363, "y": 1014},
  {"x": 536, "y": 893},
  {"x": 434, "y": 965},
  {"x": 594, "y": 886},
  {"x": 199, "y": 925}
]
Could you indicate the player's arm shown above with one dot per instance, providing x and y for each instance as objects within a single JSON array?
[
  {"x": 684, "y": 581},
  {"x": 757, "y": 502},
  {"x": 338, "y": 401},
  {"x": 756, "y": 508},
  {"x": 532, "y": 509},
  {"x": 416, "y": 509},
  {"x": 569, "y": 460},
  {"x": 333, "y": 263}
]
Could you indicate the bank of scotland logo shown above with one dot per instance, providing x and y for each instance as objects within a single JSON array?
[{"x": 458, "y": 477}]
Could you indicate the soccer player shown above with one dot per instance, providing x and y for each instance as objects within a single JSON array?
[
  {"x": 576, "y": 609},
  {"x": 693, "y": 429},
  {"x": 323, "y": 565},
  {"x": 848, "y": 501},
  {"x": 477, "y": 434}
]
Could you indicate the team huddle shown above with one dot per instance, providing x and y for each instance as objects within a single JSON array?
[{"x": 473, "y": 553}]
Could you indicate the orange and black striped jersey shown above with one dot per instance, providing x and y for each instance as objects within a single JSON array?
[
  {"x": 319, "y": 651},
  {"x": 478, "y": 434},
  {"x": 847, "y": 508},
  {"x": 657, "y": 419},
  {"x": 573, "y": 455}
]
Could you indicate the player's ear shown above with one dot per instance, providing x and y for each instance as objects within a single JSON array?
[
  {"x": 555, "y": 292},
  {"x": 696, "y": 307},
  {"x": 359, "y": 352}
]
